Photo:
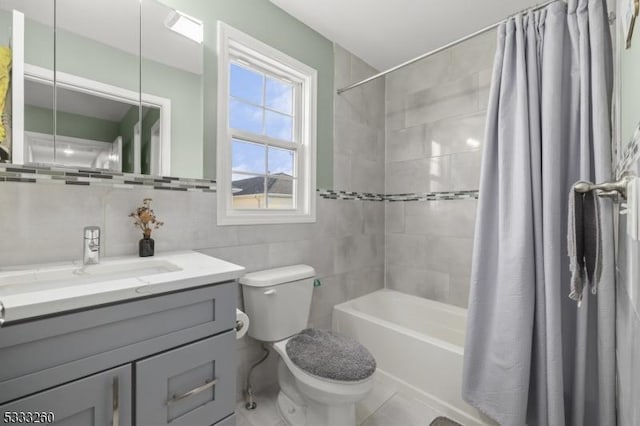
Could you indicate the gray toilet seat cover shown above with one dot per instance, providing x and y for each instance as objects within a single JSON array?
[{"x": 330, "y": 355}]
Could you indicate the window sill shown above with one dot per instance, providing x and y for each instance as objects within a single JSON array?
[{"x": 262, "y": 219}]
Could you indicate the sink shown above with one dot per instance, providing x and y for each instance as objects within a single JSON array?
[
  {"x": 34, "y": 291},
  {"x": 71, "y": 275}
]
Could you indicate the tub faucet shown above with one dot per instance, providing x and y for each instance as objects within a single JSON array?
[{"x": 91, "y": 252}]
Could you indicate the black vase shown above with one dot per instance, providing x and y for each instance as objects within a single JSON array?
[{"x": 146, "y": 247}]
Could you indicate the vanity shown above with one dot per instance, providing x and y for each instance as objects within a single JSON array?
[{"x": 144, "y": 341}]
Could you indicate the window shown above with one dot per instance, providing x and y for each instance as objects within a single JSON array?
[{"x": 266, "y": 150}]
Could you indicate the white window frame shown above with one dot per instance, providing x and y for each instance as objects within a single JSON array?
[{"x": 236, "y": 45}]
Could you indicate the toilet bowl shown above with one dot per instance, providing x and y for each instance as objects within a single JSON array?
[
  {"x": 318, "y": 400},
  {"x": 278, "y": 302}
]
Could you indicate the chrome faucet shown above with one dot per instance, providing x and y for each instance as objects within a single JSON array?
[{"x": 91, "y": 252}]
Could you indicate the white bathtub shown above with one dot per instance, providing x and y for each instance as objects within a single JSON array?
[{"x": 418, "y": 345}]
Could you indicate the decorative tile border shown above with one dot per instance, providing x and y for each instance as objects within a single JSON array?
[
  {"x": 434, "y": 196},
  {"x": 96, "y": 177},
  {"x": 631, "y": 154},
  {"x": 330, "y": 194},
  {"x": 423, "y": 196}
]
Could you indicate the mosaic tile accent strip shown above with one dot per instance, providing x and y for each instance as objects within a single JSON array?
[
  {"x": 434, "y": 196},
  {"x": 631, "y": 154},
  {"x": 97, "y": 177},
  {"x": 330, "y": 194},
  {"x": 424, "y": 196}
]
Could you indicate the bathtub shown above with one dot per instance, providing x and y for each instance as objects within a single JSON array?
[{"x": 418, "y": 345}]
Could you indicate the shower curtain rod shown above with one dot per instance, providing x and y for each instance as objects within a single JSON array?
[{"x": 439, "y": 49}]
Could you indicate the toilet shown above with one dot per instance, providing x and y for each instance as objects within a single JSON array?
[{"x": 321, "y": 374}]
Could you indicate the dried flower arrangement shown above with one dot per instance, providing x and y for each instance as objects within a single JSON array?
[{"x": 145, "y": 218}]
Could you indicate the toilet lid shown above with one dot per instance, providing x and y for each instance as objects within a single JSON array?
[{"x": 330, "y": 355}]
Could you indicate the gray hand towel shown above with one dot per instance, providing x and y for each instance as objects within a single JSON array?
[{"x": 583, "y": 242}]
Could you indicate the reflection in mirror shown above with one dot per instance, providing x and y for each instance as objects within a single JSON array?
[
  {"x": 89, "y": 130},
  {"x": 151, "y": 143},
  {"x": 38, "y": 49},
  {"x": 98, "y": 85},
  {"x": 171, "y": 69}
]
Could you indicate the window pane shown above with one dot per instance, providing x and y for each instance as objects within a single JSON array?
[
  {"x": 248, "y": 157},
  {"x": 246, "y": 84},
  {"x": 245, "y": 117},
  {"x": 280, "y": 193},
  {"x": 279, "y": 96},
  {"x": 280, "y": 161},
  {"x": 248, "y": 192},
  {"x": 278, "y": 126}
]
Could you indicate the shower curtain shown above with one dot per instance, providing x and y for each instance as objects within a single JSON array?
[{"x": 531, "y": 355}]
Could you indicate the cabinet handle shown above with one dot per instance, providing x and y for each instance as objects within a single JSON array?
[
  {"x": 208, "y": 384},
  {"x": 115, "y": 390}
]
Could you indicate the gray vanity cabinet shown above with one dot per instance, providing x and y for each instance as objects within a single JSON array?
[
  {"x": 99, "y": 400},
  {"x": 185, "y": 386},
  {"x": 153, "y": 361}
]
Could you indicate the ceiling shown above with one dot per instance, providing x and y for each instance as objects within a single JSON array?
[{"x": 385, "y": 33}]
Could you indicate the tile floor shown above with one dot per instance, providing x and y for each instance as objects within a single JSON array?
[
  {"x": 265, "y": 414},
  {"x": 383, "y": 407}
]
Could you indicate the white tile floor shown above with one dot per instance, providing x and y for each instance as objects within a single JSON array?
[
  {"x": 382, "y": 407},
  {"x": 402, "y": 410}
]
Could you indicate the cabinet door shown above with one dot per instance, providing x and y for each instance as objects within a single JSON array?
[
  {"x": 103, "y": 399},
  {"x": 229, "y": 421},
  {"x": 189, "y": 386}
]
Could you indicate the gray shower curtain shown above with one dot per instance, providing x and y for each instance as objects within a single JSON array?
[{"x": 531, "y": 355}]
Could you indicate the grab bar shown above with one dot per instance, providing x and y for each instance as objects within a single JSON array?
[{"x": 607, "y": 189}]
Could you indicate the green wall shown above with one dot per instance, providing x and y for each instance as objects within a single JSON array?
[
  {"x": 265, "y": 21},
  {"x": 40, "y": 120},
  {"x": 38, "y": 39},
  {"x": 127, "y": 127},
  {"x": 185, "y": 91},
  {"x": 149, "y": 117}
]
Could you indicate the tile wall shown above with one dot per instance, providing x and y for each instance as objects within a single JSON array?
[
  {"x": 628, "y": 322},
  {"x": 435, "y": 117},
  {"x": 628, "y": 250},
  {"x": 358, "y": 140}
]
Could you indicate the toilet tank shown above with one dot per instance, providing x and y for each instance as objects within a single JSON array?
[{"x": 278, "y": 301}]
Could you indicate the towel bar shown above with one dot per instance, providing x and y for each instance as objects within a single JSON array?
[{"x": 607, "y": 189}]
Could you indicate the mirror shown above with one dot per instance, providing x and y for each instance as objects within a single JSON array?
[
  {"x": 97, "y": 85},
  {"x": 127, "y": 95},
  {"x": 36, "y": 36},
  {"x": 172, "y": 78}
]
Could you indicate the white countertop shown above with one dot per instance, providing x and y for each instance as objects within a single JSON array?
[{"x": 37, "y": 290}]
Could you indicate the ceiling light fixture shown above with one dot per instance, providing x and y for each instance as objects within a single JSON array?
[{"x": 185, "y": 25}]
